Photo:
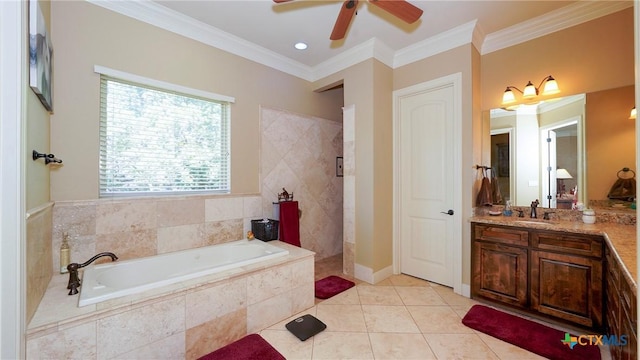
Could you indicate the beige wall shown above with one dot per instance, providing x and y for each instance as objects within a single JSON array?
[
  {"x": 37, "y": 181},
  {"x": 37, "y": 136},
  {"x": 88, "y": 35},
  {"x": 593, "y": 56},
  {"x": 610, "y": 138}
]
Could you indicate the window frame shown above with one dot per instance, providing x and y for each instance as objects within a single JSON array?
[{"x": 141, "y": 81}]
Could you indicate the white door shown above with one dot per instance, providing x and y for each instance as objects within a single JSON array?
[{"x": 426, "y": 184}]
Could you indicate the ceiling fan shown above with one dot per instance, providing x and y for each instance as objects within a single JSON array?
[{"x": 399, "y": 8}]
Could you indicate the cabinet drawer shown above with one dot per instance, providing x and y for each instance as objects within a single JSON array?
[
  {"x": 568, "y": 243},
  {"x": 503, "y": 235}
]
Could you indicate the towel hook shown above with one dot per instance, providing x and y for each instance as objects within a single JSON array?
[{"x": 48, "y": 158}]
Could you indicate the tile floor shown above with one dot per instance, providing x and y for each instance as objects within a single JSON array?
[{"x": 399, "y": 318}]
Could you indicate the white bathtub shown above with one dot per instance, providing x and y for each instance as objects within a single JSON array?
[{"x": 120, "y": 278}]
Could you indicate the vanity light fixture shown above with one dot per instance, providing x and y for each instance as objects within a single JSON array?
[
  {"x": 633, "y": 114},
  {"x": 531, "y": 91}
]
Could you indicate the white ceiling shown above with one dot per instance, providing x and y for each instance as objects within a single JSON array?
[{"x": 266, "y": 32}]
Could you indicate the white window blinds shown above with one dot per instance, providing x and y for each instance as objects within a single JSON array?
[{"x": 161, "y": 142}]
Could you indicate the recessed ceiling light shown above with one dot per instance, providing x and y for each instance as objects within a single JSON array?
[{"x": 300, "y": 46}]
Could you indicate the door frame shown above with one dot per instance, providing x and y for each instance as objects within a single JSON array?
[
  {"x": 13, "y": 15},
  {"x": 454, "y": 80}
]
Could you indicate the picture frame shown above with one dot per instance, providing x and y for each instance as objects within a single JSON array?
[
  {"x": 40, "y": 56},
  {"x": 339, "y": 166}
]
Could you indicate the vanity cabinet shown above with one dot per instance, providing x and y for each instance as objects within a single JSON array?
[
  {"x": 500, "y": 265},
  {"x": 621, "y": 315},
  {"x": 556, "y": 274}
]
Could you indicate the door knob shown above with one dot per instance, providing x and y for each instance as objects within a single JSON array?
[{"x": 450, "y": 212}]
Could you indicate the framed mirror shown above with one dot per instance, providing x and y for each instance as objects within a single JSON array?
[{"x": 564, "y": 151}]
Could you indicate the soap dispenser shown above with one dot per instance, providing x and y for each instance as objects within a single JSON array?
[{"x": 65, "y": 256}]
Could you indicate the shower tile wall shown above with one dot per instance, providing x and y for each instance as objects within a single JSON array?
[{"x": 298, "y": 152}]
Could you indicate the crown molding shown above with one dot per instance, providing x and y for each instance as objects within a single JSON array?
[
  {"x": 568, "y": 16},
  {"x": 170, "y": 20},
  {"x": 167, "y": 19},
  {"x": 372, "y": 48},
  {"x": 439, "y": 43}
]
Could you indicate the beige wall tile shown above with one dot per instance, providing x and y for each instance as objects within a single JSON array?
[
  {"x": 223, "y": 209},
  {"x": 171, "y": 347},
  {"x": 218, "y": 232},
  {"x": 214, "y": 334},
  {"x": 302, "y": 297},
  {"x": 74, "y": 343},
  {"x": 74, "y": 218},
  {"x": 121, "y": 333},
  {"x": 214, "y": 302},
  {"x": 128, "y": 245},
  {"x": 268, "y": 312},
  {"x": 302, "y": 272},
  {"x": 114, "y": 217},
  {"x": 268, "y": 283},
  {"x": 180, "y": 212},
  {"x": 252, "y": 207},
  {"x": 181, "y": 237},
  {"x": 39, "y": 262}
]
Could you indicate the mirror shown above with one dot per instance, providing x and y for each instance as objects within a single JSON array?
[{"x": 565, "y": 150}]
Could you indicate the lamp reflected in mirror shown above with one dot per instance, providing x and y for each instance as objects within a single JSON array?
[
  {"x": 633, "y": 114},
  {"x": 561, "y": 175}
]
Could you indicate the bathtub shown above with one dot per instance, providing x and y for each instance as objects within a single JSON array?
[{"x": 116, "y": 279}]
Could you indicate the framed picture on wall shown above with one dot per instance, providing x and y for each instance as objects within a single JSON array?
[{"x": 40, "y": 56}]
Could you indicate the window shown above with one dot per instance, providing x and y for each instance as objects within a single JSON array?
[{"x": 155, "y": 141}]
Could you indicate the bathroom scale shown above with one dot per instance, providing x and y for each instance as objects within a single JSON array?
[{"x": 305, "y": 326}]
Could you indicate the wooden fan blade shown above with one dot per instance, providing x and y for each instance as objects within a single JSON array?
[
  {"x": 400, "y": 8},
  {"x": 344, "y": 19},
  {"x": 280, "y": 1}
]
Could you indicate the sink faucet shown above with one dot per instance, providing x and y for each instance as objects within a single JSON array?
[
  {"x": 534, "y": 206},
  {"x": 74, "y": 281}
]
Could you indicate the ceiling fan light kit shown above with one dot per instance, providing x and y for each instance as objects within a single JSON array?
[{"x": 399, "y": 8}]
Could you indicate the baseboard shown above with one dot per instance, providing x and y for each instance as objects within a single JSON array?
[{"x": 366, "y": 274}]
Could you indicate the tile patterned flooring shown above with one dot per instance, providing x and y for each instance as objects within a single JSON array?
[{"x": 399, "y": 318}]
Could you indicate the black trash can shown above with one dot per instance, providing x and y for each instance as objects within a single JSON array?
[{"x": 265, "y": 229}]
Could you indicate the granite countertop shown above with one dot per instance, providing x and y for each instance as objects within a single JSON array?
[{"x": 620, "y": 237}]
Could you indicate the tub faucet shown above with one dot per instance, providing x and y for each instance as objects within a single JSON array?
[
  {"x": 534, "y": 206},
  {"x": 74, "y": 281}
]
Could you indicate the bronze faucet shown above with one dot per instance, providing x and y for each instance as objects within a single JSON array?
[
  {"x": 74, "y": 281},
  {"x": 534, "y": 205}
]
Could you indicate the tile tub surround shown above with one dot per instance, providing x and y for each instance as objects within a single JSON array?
[
  {"x": 133, "y": 228},
  {"x": 184, "y": 320}
]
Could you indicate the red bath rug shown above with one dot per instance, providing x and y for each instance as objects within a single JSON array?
[
  {"x": 332, "y": 285},
  {"x": 529, "y": 335},
  {"x": 250, "y": 347}
]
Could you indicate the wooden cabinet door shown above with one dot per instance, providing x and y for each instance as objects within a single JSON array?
[
  {"x": 500, "y": 273},
  {"x": 568, "y": 287}
]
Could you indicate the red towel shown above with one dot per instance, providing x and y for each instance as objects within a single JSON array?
[{"x": 289, "y": 223}]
